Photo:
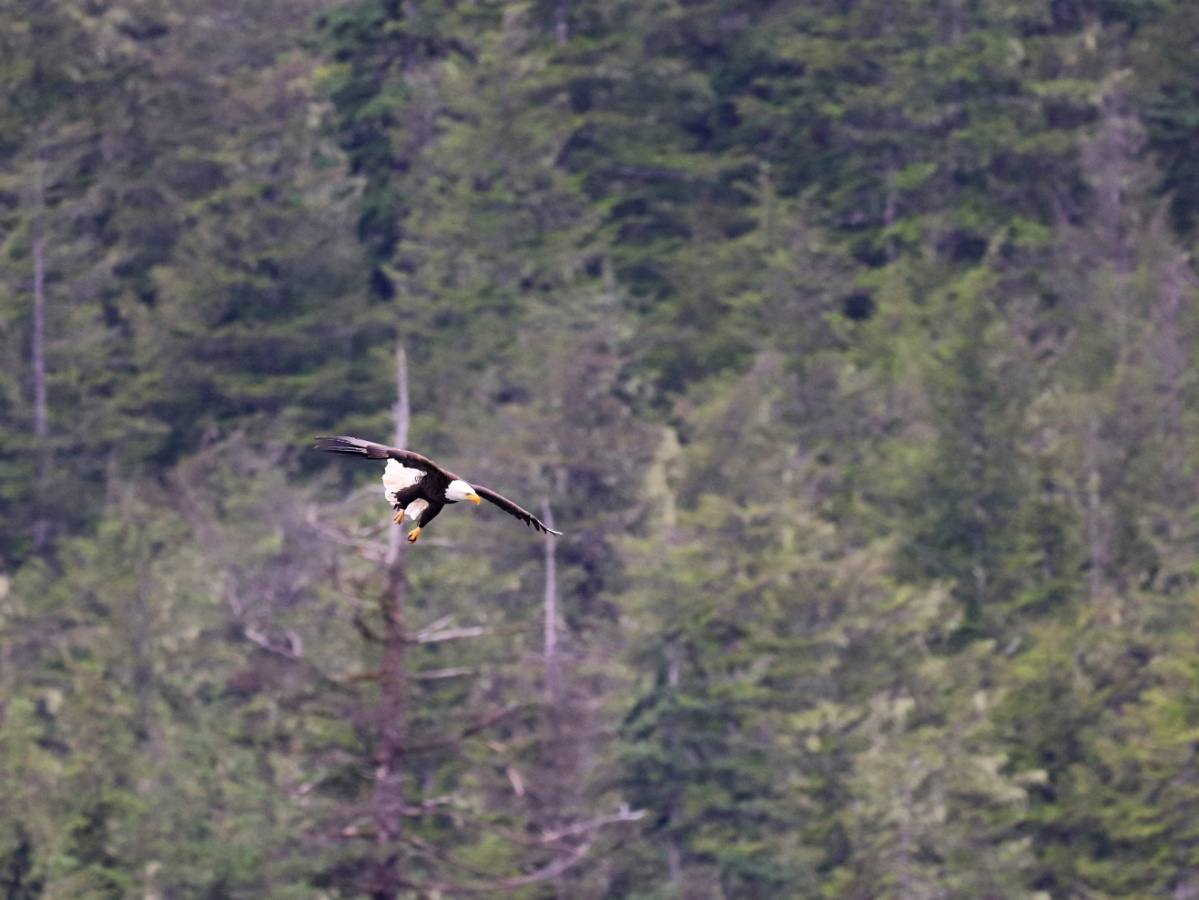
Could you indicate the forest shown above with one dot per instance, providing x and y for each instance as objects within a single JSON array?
[{"x": 850, "y": 344}]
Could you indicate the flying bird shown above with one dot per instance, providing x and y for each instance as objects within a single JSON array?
[{"x": 418, "y": 488}]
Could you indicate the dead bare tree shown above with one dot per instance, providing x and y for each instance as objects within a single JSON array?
[
  {"x": 551, "y": 605},
  {"x": 388, "y": 799},
  {"x": 403, "y": 859},
  {"x": 41, "y": 430},
  {"x": 561, "y": 32}
]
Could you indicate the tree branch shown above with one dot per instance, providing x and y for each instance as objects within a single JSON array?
[
  {"x": 546, "y": 872},
  {"x": 474, "y": 729},
  {"x": 434, "y": 674},
  {"x": 550, "y": 870},
  {"x": 624, "y": 814},
  {"x": 293, "y": 651},
  {"x": 450, "y": 634}
]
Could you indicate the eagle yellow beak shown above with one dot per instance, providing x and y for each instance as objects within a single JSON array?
[{"x": 473, "y": 496}]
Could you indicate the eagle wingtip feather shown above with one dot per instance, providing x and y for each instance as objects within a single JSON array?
[{"x": 340, "y": 444}]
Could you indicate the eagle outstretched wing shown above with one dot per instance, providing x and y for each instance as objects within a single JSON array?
[
  {"x": 513, "y": 510},
  {"x": 371, "y": 450}
]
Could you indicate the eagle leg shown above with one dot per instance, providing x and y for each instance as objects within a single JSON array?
[
  {"x": 413, "y": 535},
  {"x": 399, "y": 517}
]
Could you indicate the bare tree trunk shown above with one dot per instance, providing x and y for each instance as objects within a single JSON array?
[
  {"x": 560, "y": 26},
  {"x": 674, "y": 851},
  {"x": 890, "y": 210},
  {"x": 551, "y": 607},
  {"x": 41, "y": 526},
  {"x": 1172, "y": 355},
  {"x": 956, "y": 23},
  {"x": 674, "y": 855},
  {"x": 555, "y": 744},
  {"x": 1096, "y": 531},
  {"x": 609, "y": 277},
  {"x": 388, "y": 800},
  {"x": 904, "y": 875},
  {"x": 766, "y": 196}
]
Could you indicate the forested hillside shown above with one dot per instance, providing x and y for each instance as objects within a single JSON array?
[{"x": 850, "y": 343}]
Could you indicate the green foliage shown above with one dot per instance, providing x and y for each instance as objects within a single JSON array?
[{"x": 850, "y": 341}]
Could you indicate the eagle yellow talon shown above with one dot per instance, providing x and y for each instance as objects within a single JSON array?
[
  {"x": 413, "y": 535},
  {"x": 399, "y": 517}
]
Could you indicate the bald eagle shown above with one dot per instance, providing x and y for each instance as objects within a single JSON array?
[{"x": 418, "y": 488}]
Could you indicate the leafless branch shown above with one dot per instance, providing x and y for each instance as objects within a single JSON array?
[
  {"x": 517, "y": 781},
  {"x": 427, "y": 675},
  {"x": 438, "y": 632},
  {"x": 483, "y": 724},
  {"x": 434, "y": 674},
  {"x": 436, "y": 626},
  {"x": 546, "y": 872},
  {"x": 624, "y": 814},
  {"x": 295, "y": 647},
  {"x": 370, "y": 550},
  {"x": 358, "y": 676},
  {"x": 292, "y": 651},
  {"x": 365, "y": 829},
  {"x": 450, "y": 634},
  {"x": 364, "y": 629}
]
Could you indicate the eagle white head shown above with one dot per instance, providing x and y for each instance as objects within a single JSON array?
[{"x": 460, "y": 490}]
